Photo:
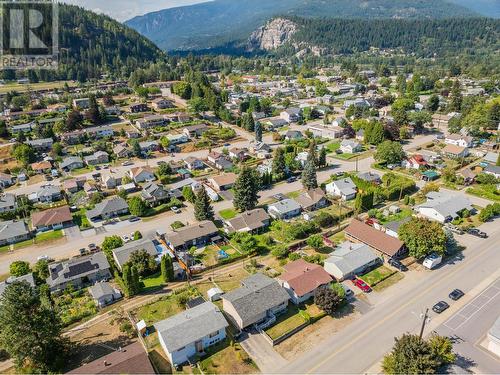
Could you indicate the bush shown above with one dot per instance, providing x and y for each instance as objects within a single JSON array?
[
  {"x": 294, "y": 256},
  {"x": 490, "y": 211},
  {"x": 315, "y": 241},
  {"x": 280, "y": 252},
  {"x": 177, "y": 225},
  {"x": 325, "y": 220}
]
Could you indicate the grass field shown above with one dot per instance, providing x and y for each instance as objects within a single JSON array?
[
  {"x": 152, "y": 282},
  {"x": 377, "y": 275},
  {"x": 34, "y": 86},
  {"x": 228, "y": 213},
  {"x": 286, "y": 322},
  {"x": 41, "y": 238},
  {"x": 226, "y": 359}
]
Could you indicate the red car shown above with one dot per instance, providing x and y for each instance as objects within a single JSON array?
[{"x": 362, "y": 285}]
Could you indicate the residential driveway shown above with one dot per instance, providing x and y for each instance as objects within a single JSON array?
[
  {"x": 227, "y": 195},
  {"x": 72, "y": 232},
  {"x": 263, "y": 354}
]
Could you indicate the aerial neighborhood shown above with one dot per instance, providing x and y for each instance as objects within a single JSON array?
[{"x": 235, "y": 216}]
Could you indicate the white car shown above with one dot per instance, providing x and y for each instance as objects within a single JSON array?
[
  {"x": 127, "y": 163},
  {"x": 126, "y": 238},
  {"x": 175, "y": 209},
  {"x": 43, "y": 257}
]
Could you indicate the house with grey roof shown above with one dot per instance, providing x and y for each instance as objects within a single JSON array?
[
  {"x": 7, "y": 202},
  {"x": 191, "y": 332},
  {"x": 343, "y": 188},
  {"x": 46, "y": 194},
  {"x": 154, "y": 194},
  {"x": 350, "y": 259},
  {"x": 493, "y": 170},
  {"x": 104, "y": 293},
  {"x": 6, "y": 180},
  {"x": 98, "y": 157},
  {"x": 71, "y": 162},
  {"x": 122, "y": 254},
  {"x": 292, "y": 114},
  {"x": 371, "y": 177},
  {"x": 392, "y": 227},
  {"x": 78, "y": 272},
  {"x": 26, "y": 278},
  {"x": 312, "y": 199},
  {"x": 107, "y": 209},
  {"x": 253, "y": 221},
  {"x": 350, "y": 146},
  {"x": 258, "y": 300},
  {"x": 198, "y": 234},
  {"x": 13, "y": 231},
  {"x": 42, "y": 144},
  {"x": 443, "y": 207},
  {"x": 284, "y": 209}
]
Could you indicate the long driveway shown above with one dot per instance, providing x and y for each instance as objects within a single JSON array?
[{"x": 359, "y": 347}]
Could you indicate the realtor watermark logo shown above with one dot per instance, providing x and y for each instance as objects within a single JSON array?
[{"x": 29, "y": 34}]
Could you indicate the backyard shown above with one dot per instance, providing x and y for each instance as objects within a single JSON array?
[
  {"x": 75, "y": 307},
  {"x": 228, "y": 213},
  {"x": 213, "y": 255},
  {"x": 487, "y": 191}
]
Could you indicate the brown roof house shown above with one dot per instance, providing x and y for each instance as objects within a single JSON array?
[
  {"x": 41, "y": 167},
  {"x": 253, "y": 221},
  {"x": 312, "y": 200},
  {"x": 301, "y": 279},
  {"x": 223, "y": 182},
  {"x": 358, "y": 231},
  {"x": 198, "y": 234},
  {"x": 453, "y": 151},
  {"x": 131, "y": 359},
  {"x": 53, "y": 218}
]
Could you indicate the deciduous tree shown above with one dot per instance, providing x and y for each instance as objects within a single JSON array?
[{"x": 422, "y": 237}]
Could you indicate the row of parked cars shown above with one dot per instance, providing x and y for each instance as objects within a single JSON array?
[{"x": 441, "y": 306}]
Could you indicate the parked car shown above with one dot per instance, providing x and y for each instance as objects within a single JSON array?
[
  {"x": 93, "y": 247},
  {"x": 291, "y": 179},
  {"x": 476, "y": 232},
  {"x": 43, "y": 257},
  {"x": 134, "y": 219},
  {"x": 176, "y": 210},
  {"x": 83, "y": 251},
  {"x": 397, "y": 264},
  {"x": 127, "y": 163},
  {"x": 454, "y": 229},
  {"x": 439, "y": 307},
  {"x": 456, "y": 294},
  {"x": 362, "y": 285},
  {"x": 348, "y": 291},
  {"x": 432, "y": 261},
  {"x": 126, "y": 238}
]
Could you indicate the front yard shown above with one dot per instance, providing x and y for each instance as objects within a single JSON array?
[
  {"x": 377, "y": 275},
  {"x": 225, "y": 358},
  {"x": 42, "y": 238},
  {"x": 80, "y": 219}
]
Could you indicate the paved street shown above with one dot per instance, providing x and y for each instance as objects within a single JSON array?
[{"x": 359, "y": 347}]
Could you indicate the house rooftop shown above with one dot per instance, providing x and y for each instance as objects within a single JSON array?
[
  {"x": 189, "y": 233},
  {"x": 304, "y": 277},
  {"x": 374, "y": 238},
  {"x": 248, "y": 220},
  {"x": 51, "y": 216},
  {"x": 349, "y": 256}
]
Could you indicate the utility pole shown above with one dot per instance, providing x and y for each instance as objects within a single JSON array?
[
  {"x": 356, "y": 164},
  {"x": 425, "y": 319}
]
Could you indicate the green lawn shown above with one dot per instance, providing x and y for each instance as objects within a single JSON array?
[
  {"x": 332, "y": 147},
  {"x": 485, "y": 191},
  {"x": 152, "y": 282},
  {"x": 228, "y": 213},
  {"x": 79, "y": 171},
  {"x": 404, "y": 213},
  {"x": 377, "y": 275},
  {"x": 49, "y": 236},
  {"x": 226, "y": 359},
  {"x": 4, "y": 249},
  {"x": 293, "y": 194},
  {"x": 74, "y": 307},
  {"x": 80, "y": 219},
  {"x": 286, "y": 322},
  {"x": 391, "y": 280}
]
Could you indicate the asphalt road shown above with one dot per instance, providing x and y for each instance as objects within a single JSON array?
[{"x": 359, "y": 347}]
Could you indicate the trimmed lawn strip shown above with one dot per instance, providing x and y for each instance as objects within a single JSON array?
[
  {"x": 226, "y": 359},
  {"x": 49, "y": 236},
  {"x": 391, "y": 280},
  {"x": 152, "y": 282},
  {"x": 286, "y": 322},
  {"x": 228, "y": 213},
  {"x": 377, "y": 275}
]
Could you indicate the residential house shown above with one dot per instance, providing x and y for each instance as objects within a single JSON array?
[
  {"x": 154, "y": 194},
  {"x": 177, "y": 139},
  {"x": 81, "y": 103},
  {"x": 111, "y": 180},
  {"x": 138, "y": 107},
  {"x": 357, "y": 231},
  {"x": 198, "y": 234},
  {"x": 350, "y": 259},
  {"x": 301, "y": 280},
  {"x": 291, "y": 114},
  {"x": 42, "y": 144},
  {"x": 253, "y": 221},
  {"x": 149, "y": 122},
  {"x": 443, "y": 207},
  {"x": 13, "y": 231},
  {"x": 302, "y": 158},
  {"x": 131, "y": 359},
  {"x": 195, "y": 131},
  {"x": 258, "y": 300},
  {"x": 339, "y": 122},
  {"x": 284, "y": 209},
  {"x": 312, "y": 199},
  {"x": 371, "y": 177},
  {"x": 213, "y": 156},
  {"x": 360, "y": 135},
  {"x": 149, "y": 146},
  {"x": 70, "y": 163},
  {"x": 104, "y": 294},
  {"x": 223, "y": 164},
  {"x": 258, "y": 115},
  {"x": 350, "y": 146},
  {"x": 107, "y": 209},
  {"x": 331, "y": 132},
  {"x": 492, "y": 170},
  {"x": 122, "y": 151},
  {"x": 193, "y": 163},
  {"x": 46, "y": 194},
  {"x": 343, "y": 188},
  {"x": 358, "y": 102},
  {"x": 28, "y": 278},
  {"x": 8, "y": 202},
  {"x": 113, "y": 110},
  {"x": 491, "y": 157},
  {"x": 122, "y": 254},
  {"x": 274, "y": 123},
  {"x": 99, "y": 157},
  {"x": 78, "y": 272},
  {"x": 238, "y": 153},
  {"x": 191, "y": 332},
  {"x": 73, "y": 185},
  {"x": 455, "y": 152},
  {"x": 261, "y": 150},
  {"x": 392, "y": 227},
  {"x": 142, "y": 174},
  {"x": 459, "y": 140},
  {"x": 223, "y": 182},
  {"x": 23, "y": 128},
  {"x": 97, "y": 132},
  {"x": 41, "y": 167},
  {"x": 6, "y": 180},
  {"x": 415, "y": 162},
  {"x": 293, "y": 135},
  {"x": 53, "y": 218},
  {"x": 161, "y": 103}
]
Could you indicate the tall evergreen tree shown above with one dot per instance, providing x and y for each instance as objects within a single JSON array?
[
  {"x": 258, "y": 131},
  {"x": 309, "y": 178},
  {"x": 31, "y": 330},
  {"x": 246, "y": 189},
  {"x": 322, "y": 157},
  {"x": 94, "y": 114},
  {"x": 167, "y": 268},
  {"x": 456, "y": 97},
  {"x": 202, "y": 208},
  {"x": 279, "y": 164},
  {"x": 312, "y": 155},
  {"x": 136, "y": 283}
]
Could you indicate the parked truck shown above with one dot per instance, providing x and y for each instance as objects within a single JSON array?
[{"x": 432, "y": 261}]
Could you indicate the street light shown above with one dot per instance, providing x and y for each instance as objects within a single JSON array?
[{"x": 425, "y": 319}]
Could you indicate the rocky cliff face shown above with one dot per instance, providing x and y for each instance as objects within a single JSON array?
[{"x": 272, "y": 35}]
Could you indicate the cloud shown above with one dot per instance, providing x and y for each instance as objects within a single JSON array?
[{"x": 123, "y": 10}]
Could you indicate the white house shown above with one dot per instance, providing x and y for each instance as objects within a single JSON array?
[
  {"x": 443, "y": 207},
  {"x": 350, "y": 146},
  {"x": 343, "y": 188},
  {"x": 284, "y": 209},
  {"x": 459, "y": 140},
  {"x": 331, "y": 132},
  {"x": 350, "y": 259},
  {"x": 190, "y": 332}
]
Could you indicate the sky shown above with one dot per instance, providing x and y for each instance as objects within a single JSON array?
[{"x": 123, "y": 10}]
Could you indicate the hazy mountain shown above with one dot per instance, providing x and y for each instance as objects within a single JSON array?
[
  {"x": 489, "y": 8},
  {"x": 214, "y": 23}
]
